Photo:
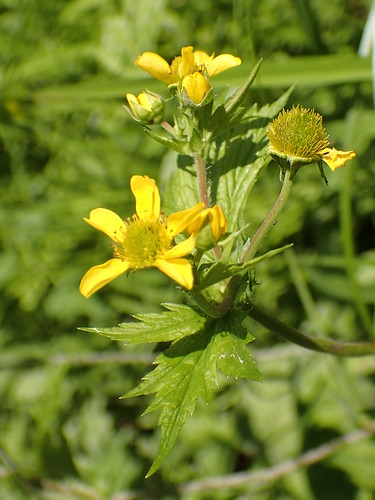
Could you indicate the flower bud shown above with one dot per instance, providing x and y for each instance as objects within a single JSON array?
[
  {"x": 147, "y": 107},
  {"x": 209, "y": 225},
  {"x": 195, "y": 90}
]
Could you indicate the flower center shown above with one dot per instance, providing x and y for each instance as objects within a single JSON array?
[
  {"x": 299, "y": 133},
  {"x": 143, "y": 242}
]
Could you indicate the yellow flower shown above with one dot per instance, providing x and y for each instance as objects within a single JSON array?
[
  {"x": 196, "y": 86},
  {"x": 298, "y": 136},
  {"x": 188, "y": 63},
  {"x": 147, "y": 107},
  {"x": 144, "y": 241},
  {"x": 209, "y": 225}
]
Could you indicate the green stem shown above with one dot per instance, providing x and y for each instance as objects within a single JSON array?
[
  {"x": 303, "y": 339},
  {"x": 269, "y": 221},
  {"x": 212, "y": 310},
  {"x": 272, "y": 217}
]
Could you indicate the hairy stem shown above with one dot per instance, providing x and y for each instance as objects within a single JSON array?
[
  {"x": 272, "y": 217},
  {"x": 168, "y": 127},
  {"x": 259, "y": 236},
  {"x": 202, "y": 179},
  {"x": 200, "y": 165}
]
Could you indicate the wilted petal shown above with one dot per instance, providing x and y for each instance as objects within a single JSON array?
[
  {"x": 222, "y": 63},
  {"x": 147, "y": 198},
  {"x": 156, "y": 66},
  {"x": 336, "y": 159},
  {"x": 176, "y": 223},
  {"x": 98, "y": 276},
  {"x": 108, "y": 222},
  {"x": 179, "y": 270}
]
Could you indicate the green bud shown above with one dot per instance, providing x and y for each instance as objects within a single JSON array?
[{"x": 146, "y": 108}]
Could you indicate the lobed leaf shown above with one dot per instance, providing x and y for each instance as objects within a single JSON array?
[
  {"x": 180, "y": 321},
  {"x": 188, "y": 369}
]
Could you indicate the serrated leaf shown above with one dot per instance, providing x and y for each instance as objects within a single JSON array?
[
  {"x": 220, "y": 271},
  {"x": 238, "y": 157},
  {"x": 235, "y": 106},
  {"x": 181, "y": 187},
  {"x": 188, "y": 369},
  {"x": 180, "y": 321},
  {"x": 236, "y": 360}
]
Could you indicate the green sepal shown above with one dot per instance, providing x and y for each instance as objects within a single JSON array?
[
  {"x": 187, "y": 102},
  {"x": 181, "y": 146},
  {"x": 322, "y": 174},
  {"x": 220, "y": 271},
  {"x": 178, "y": 322},
  {"x": 188, "y": 370}
]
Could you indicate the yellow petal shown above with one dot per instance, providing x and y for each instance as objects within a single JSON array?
[
  {"x": 179, "y": 270},
  {"x": 187, "y": 63},
  {"x": 218, "y": 222},
  {"x": 108, "y": 222},
  {"x": 156, "y": 66},
  {"x": 195, "y": 224},
  {"x": 336, "y": 159},
  {"x": 178, "y": 222},
  {"x": 144, "y": 101},
  {"x": 147, "y": 198},
  {"x": 180, "y": 250},
  {"x": 132, "y": 100},
  {"x": 98, "y": 276},
  {"x": 202, "y": 58},
  {"x": 175, "y": 70},
  {"x": 197, "y": 86},
  {"x": 222, "y": 63}
]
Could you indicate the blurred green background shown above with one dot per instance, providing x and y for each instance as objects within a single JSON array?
[{"x": 67, "y": 146}]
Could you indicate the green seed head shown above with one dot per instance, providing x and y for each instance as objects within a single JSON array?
[{"x": 298, "y": 135}]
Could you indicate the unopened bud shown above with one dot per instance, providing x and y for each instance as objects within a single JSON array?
[
  {"x": 147, "y": 107},
  {"x": 195, "y": 90}
]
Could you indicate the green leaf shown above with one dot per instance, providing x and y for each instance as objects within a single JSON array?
[
  {"x": 181, "y": 182},
  {"x": 236, "y": 158},
  {"x": 167, "y": 140},
  {"x": 188, "y": 369},
  {"x": 180, "y": 321},
  {"x": 220, "y": 271},
  {"x": 235, "y": 106}
]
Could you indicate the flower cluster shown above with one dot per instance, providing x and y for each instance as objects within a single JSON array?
[
  {"x": 191, "y": 71},
  {"x": 147, "y": 239}
]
